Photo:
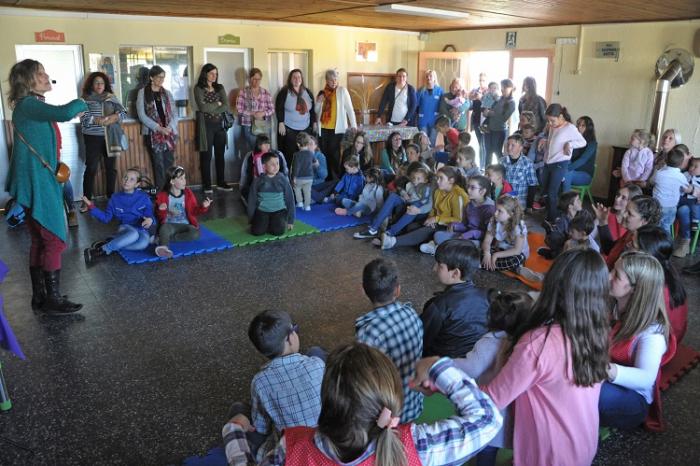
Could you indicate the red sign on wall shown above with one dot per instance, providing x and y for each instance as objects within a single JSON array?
[{"x": 49, "y": 35}]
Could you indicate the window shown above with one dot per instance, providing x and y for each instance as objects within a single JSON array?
[{"x": 134, "y": 63}]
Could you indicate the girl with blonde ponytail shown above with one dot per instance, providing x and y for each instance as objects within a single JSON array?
[{"x": 361, "y": 403}]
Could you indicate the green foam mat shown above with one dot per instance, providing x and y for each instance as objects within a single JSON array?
[{"x": 237, "y": 231}]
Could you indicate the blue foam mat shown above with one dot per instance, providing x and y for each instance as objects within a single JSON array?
[
  {"x": 323, "y": 217},
  {"x": 208, "y": 242},
  {"x": 214, "y": 457}
]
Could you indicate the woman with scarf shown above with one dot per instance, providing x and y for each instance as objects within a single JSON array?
[
  {"x": 295, "y": 113},
  {"x": 212, "y": 102},
  {"x": 254, "y": 106},
  {"x": 104, "y": 109},
  {"x": 334, "y": 110},
  {"x": 32, "y": 181},
  {"x": 156, "y": 109}
]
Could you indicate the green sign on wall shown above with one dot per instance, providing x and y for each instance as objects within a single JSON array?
[{"x": 229, "y": 39}]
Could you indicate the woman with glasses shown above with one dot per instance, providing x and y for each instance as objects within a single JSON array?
[{"x": 155, "y": 106}]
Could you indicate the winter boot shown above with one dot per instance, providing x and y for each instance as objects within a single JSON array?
[{"x": 55, "y": 304}]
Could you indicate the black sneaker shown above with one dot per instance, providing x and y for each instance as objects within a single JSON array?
[
  {"x": 101, "y": 242},
  {"x": 224, "y": 187},
  {"x": 91, "y": 255},
  {"x": 546, "y": 253},
  {"x": 368, "y": 233}
]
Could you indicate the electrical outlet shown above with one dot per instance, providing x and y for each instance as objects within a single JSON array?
[{"x": 566, "y": 40}]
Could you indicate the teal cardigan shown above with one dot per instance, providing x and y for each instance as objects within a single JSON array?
[{"x": 28, "y": 181}]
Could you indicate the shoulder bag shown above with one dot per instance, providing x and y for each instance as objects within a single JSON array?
[{"x": 62, "y": 173}]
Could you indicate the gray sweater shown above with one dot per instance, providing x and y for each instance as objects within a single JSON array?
[{"x": 302, "y": 165}]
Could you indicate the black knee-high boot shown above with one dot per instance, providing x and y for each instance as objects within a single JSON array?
[
  {"x": 38, "y": 290},
  {"x": 55, "y": 303}
]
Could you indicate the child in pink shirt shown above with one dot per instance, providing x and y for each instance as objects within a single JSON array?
[{"x": 555, "y": 385}]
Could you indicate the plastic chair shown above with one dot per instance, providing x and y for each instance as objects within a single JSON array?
[
  {"x": 694, "y": 242},
  {"x": 584, "y": 190}
]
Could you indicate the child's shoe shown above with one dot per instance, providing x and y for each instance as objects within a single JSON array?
[
  {"x": 358, "y": 214},
  {"x": 72, "y": 219},
  {"x": 341, "y": 211},
  {"x": 300, "y": 205},
  {"x": 682, "y": 248},
  {"x": 388, "y": 241},
  {"x": 92, "y": 254},
  {"x": 531, "y": 275},
  {"x": 368, "y": 233},
  {"x": 326, "y": 200},
  {"x": 377, "y": 242},
  {"x": 428, "y": 248},
  {"x": 307, "y": 208},
  {"x": 164, "y": 251},
  {"x": 100, "y": 242},
  {"x": 546, "y": 253}
]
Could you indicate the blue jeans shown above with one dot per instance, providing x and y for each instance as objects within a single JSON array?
[
  {"x": 431, "y": 132},
  {"x": 621, "y": 407},
  {"x": 668, "y": 216},
  {"x": 68, "y": 197},
  {"x": 487, "y": 456},
  {"x": 482, "y": 147},
  {"x": 392, "y": 204},
  {"x": 353, "y": 207},
  {"x": 575, "y": 178},
  {"x": 494, "y": 145},
  {"x": 404, "y": 221},
  {"x": 552, "y": 176},
  {"x": 688, "y": 212},
  {"x": 129, "y": 238}
]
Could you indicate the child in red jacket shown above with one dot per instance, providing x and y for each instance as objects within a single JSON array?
[{"x": 177, "y": 210}]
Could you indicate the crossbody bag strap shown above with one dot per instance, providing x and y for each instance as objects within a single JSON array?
[{"x": 32, "y": 150}]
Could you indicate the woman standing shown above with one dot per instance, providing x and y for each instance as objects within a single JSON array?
[
  {"x": 562, "y": 139},
  {"x": 399, "y": 98},
  {"x": 532, "y": 102},
  {"x": 295, "y": 112},
  {"x": 155, "y": 106},
  {"x": 254, "y": 105},
  {"x": 641, "y": 342},
  {"x": 582, "y": 167},
  {"x": 32, "y": 182},
  {"x": 104, "y": 109},
  {"x": 428, "y": 105},
  {"x": 212, "y": 101},
  {"x": 498, "y": 117},
  {"x": 455, "y": 106},
  {"x": 335, "y": 114}
]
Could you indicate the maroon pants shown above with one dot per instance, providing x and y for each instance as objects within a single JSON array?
[{"x": 46, "y": 248}]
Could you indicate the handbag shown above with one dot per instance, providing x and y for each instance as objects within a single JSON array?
[
  {"x": 258, "y": 127},
  {"x": 227, "y": 120},
  {"x": 62, "y": 173}
]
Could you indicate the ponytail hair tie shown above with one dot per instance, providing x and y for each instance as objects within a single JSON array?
[{"x": 386, "y": 420}]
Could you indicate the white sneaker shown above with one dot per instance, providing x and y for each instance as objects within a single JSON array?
[
  {"x": 326, "y": 200},
  {"x": 428, "y": 248},
  {"x": 300, "y": 205},
  {"x": 530, "y": 274},
  {"x": 307, "y": 208},
  {"x": 164, "y": 251},
  {"x": 388, "y": 241}
]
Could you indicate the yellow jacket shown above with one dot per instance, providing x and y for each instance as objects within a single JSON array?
[{"x": 448, "y": 206}]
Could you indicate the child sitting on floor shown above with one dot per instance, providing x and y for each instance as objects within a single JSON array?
[
  {"x": 303, "y": 170},
  {"x": 499, "y": 185},
  {"x": 392, "y": 327},
  {"x": 371, "y": 199},
  {"x": 568, "y": 205},
  {"x": 271, "y": 201},
  {"x": 477, "y": 214},
  {"x": 134, "y": 210},
  {"x": 422, "y": 140},
  {"x": 465, "y": 161},
  {"x": 359, "y": 422},
  {"x": 350, "y": 185},
  {"x": 286, "y": 392},
  {"x": 580, "y": 232},
  {"x": 505, "y": 245},
  {"x": 454, "y": 319},
  {"x": 177, "y": 211},
  {"x": 520, "y": 171}
]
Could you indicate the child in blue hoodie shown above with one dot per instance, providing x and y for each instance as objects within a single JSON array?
[
  {"x": 350, "y": 185},
  {"x": 134, "y": 210}
]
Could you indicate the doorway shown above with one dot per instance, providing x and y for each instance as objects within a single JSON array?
[{"x": 233, "y": 65}]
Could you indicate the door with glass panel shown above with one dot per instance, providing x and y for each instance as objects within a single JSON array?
[
  {"x": 280, "y": 63},
  {"x": 233, "y": 65}
]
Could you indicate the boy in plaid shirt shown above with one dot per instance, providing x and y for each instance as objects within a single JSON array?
[
  {"x": 392, "y": 327},
  {"x": 286, "y": 392},
  {"x": 520, "y": 171}
]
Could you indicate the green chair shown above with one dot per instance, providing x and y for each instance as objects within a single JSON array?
[
  {"x": 694, "y": 242},
  {"x": 584, "y": 190}
]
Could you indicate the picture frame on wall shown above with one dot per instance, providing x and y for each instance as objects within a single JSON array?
[
  {"x": 366, "y": 51},
  {"x": 107, "y": 64}
]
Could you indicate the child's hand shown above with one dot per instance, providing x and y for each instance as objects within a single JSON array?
[
  {"x": 430, "y": 222},
  {"x": 601, "y": 213},
  {"x": 147, "y": 222},
  {"x": 206, "y": 203},
  {"x": 290, "y": 226},
  {"x": 163, "y": 206},
  {"x": 412, "y": 210},
  {"x": 617, "y": 173},
  {"x": 486, "y": 261},
  {"x": 421, "y": 381},
  {"x": 567, "y": 148},
  {"x": 541, "y": 144},
  {"x": 494, "y": 258},
  {"x": 87, "y": 202},
  {"x": 242, "y": 421}
]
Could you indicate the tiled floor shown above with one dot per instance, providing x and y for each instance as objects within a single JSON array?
[{"x": 145, "y": 374}]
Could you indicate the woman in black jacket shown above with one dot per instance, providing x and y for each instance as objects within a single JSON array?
[{"x": 294, "y": 108}]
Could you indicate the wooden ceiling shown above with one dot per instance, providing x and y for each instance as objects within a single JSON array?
[{"x": 361, "y": 13}]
